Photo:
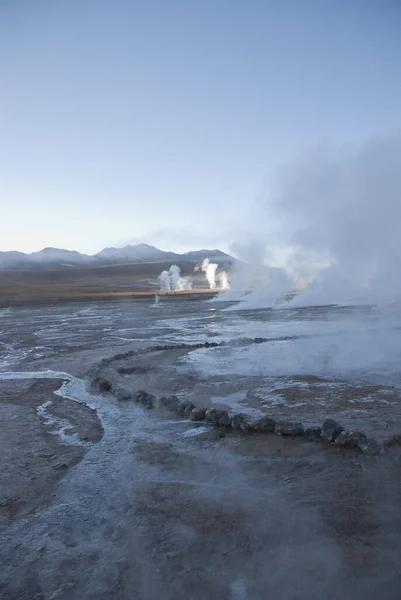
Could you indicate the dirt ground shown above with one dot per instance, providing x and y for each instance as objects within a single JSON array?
[
  {"x": 33, "y": 457},
  {"x": 103, "y": 499},
  {"x": 88, "y": 283}
]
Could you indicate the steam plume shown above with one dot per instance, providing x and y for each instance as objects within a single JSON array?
[
  {"x": 214, "y": 279},
  {"x": 209, "y": 270},
  {"x": 171, "y": 280},
  {"x": 334, "y": 224}
]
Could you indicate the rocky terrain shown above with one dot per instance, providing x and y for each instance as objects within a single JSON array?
[{"x": 131, "y": 469}]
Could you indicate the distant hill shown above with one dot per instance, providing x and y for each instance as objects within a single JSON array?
[{"x": 51, "y": 258}]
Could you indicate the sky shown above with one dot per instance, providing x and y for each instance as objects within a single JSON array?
[{"x": 164, "y": 121}]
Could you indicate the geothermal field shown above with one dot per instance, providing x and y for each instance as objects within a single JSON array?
[
  {"x": 200, "y": 448},
  {"x": 200, "y": 300}
]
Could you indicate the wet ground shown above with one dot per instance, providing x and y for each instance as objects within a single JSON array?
[{"x": 100, "y": 498}]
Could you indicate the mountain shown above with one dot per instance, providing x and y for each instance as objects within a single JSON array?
[
  {"x": 50, "y": 258},
  {"x": 216, "y": 256},
  {"x": 58, "y": 256},
  {"x": 138, "y": 253},
  {"x": 13, "y": 260}
]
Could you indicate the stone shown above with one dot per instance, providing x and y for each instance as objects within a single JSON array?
[
  {"x": 170, "y": 402},
  {"x": 210, "y": 414},
  {"x": 289, "y": 428},
  {"x": 350, "y": 438},
  {"x": 102, "y": 384},
  {"x": 147, "y": 400},
  {"x": 240, "y": 422},
  {"x": 393, "y": 442},
  {"x": 330, "y": 430},
  {"x": 222, "y": 418},
  {"x": 264, "y": 425},
  {"x": 198, "y": 414},
  {"x": 183, "y": 405},
  {"x": 313, "y": 432},
  {"x": 218, "y": 417},
  {"x": 188, "y": 409},
  {"x": 369, "y": 447}
]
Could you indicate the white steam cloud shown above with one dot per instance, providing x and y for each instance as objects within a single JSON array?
[
  {"x": 215, "y": 280},
  {"x": 209, "y": 270},
  {"x": 224, "y": 283},
  {"x": 171, "y": 280},
  {"x": 334, "y": 226}
]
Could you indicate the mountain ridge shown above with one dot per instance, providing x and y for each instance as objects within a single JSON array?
[{"x": 50, "y": 257}]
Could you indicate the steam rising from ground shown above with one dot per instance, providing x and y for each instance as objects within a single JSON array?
[
  {"x": 333, "y": 227},
  {"x": 171, "y": 280},
  {"x": 209, "y": 269},
  {"x": 223, "y": 281},
  {"x": 215, "y": 280}
]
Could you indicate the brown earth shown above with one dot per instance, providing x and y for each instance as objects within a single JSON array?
[
  {"x": 162, "y": 508},
  {"x": 33, "y": 458},
  {"x": 71, "y": 284}
]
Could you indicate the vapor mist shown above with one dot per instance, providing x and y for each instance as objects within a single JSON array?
[
  {"x": 215, "y": 280},
  {"x": 171, "y": 280},
  {"x": 333, "y": 221}
]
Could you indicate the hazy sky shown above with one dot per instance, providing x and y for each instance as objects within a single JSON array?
[{"x": 163, "y": 121}]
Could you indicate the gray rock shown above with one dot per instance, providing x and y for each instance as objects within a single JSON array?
[
  {"x": 313, "y": 432},
  {"x": 218, "y": 417},
  {"x": 393, "y": 443},
  {"x": 183, "y": 405},
  {"x": 369, "y": 447},
  {"x": 331, "y": 430},
  {"x": 350, "y": 438},
  {"x": 210, "y": 414},
  {"x": 289, "y": 428},
  {"x": 189, "y": 408},
  {"x": 102, "y": 384},
  {"x": 147, "y": 400},
  {"x": 170, "y": 402},
  {"x": 264, "y": 425},
  {"x": 222, "y": 418},
  {"x": 240, "y": 422},
  {"x": 198, "y": 414}
]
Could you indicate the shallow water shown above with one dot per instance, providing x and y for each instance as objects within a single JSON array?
[
  {"x": 330, "y": 341},
  {"x": 162, "y": 509}
]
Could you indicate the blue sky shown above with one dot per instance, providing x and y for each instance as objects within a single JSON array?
[{"x": 164, "y": 121}]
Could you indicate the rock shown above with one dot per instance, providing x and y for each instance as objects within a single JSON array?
[
  {"x": 147, "y": 400},
  {"x": 369, "y": 447},
  {"x": 210, "y": 414},
  {"x": 102, "y": 384},
  {"x": 350, "y": 438},
  {"x": 313, "y": 432},
  {"x": 183, "y": 405},
  {"x": 218, "y": 417},
  {"x": 198, "y": 414},
  {"x": 290, "y": 429},
  {"x": 240, "y": 422},
  {"x": 264, "y": 425},
  {"x": 189, "y": 408},
  {"x": 330, "y": 430},
  {"x": 222, "y": 418},
  {"x": 170, "y": 402},
  {"x": 393, "y": 442}
]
